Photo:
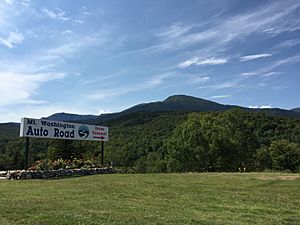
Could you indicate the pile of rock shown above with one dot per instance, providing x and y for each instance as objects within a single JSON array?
[
  {"x": 27, "y": 174},
  {"x": 3, "y": 175}
]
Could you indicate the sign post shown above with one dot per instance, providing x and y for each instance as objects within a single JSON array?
[
  {"x": 26, "y": 152},
  {"x": 102, "y": 153},
  {"x": 40, "y": 128}
]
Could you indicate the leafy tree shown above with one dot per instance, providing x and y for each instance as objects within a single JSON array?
[
  {"x": 263, "y": 159},
  {"x": 213, "y": 142},
  {"x": 188, "y": 148},
  {"x": 285, "y": 155},
  {"x": 62, "y": 149}
]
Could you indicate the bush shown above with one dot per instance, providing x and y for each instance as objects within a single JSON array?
[
  {"x": 64, "y": 164},
  {"x": 285, "y": 155}
]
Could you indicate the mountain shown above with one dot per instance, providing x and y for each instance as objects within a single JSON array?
[
  {"x": 296, "y": 110},
  {"x": 184, "y": 103},
  {"x": 277, "y": 112},
  {"x": 179, "y": 103},
  {"x": 176, "y": 103},
  {"x": 9, "y": 129},
  {"x": 69, "y": 117}
]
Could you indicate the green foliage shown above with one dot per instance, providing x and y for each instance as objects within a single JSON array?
[
  {"x": 9, "y": 130},
  {"x": 75, "y": 163},
  {"x": 61, "y": 149},
  {"x": 285, "y": 155},
  {"x": 263, "y": 159},
  {"x": 212, "y": 142},
  {"x": 188, "y": 148},
  {"x": 134, "y": 136},
  {"x": 11, "y": 154},
  {"x": 152, "y": 163},
  {"x": 179, "y": 141}
]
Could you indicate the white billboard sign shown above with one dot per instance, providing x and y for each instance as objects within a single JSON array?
[{"x": 40, "y": 128}]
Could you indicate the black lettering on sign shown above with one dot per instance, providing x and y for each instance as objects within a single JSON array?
[
  {"x": 32, "y": 122},
  {"x": 37, "y": 132},
  {"x": 64, "y": 134}
]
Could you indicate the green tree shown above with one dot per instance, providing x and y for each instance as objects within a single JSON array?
[
  {"x": 188, "y": 148},
  {"x": 213, "y": 142},
  {"x": 285, "y": 155},
  {"x": 64, "y": 149},
  {"x": 263, "y": 159}
]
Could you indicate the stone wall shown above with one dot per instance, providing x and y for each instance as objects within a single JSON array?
[{"x": 25, "y": 174}]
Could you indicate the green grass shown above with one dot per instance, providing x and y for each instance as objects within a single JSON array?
[{"x": 206, "y": 198}]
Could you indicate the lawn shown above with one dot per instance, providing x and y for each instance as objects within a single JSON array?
[{"x": 205, "y": 198}]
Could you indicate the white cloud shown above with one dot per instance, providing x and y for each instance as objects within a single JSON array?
[
  {"x": 260, "y": 107},
  {"x": 253, "y": 57},
  {"x": 21, "y": 78},
  {"x": 85, "y": 11},
  {"x": 39, "y": 111},
  {"x": 58, "y": 14},
  {"x": 267, "y": 70},
  {"x": 269, "y": 16},
  {"x": 188, "y": 62},
  {"x": 70, "y": 49},
  {"x": 17, "y": 88},
  {"x": 271, "y": 74},
  {"x": 201, "y": 79},
  {"x": 79, "y": 21},
  {"x": 25, "y": 3},
  {"x": 159, "y": 79},
  {"x": 288, "y": 43},
  {"x": 175, "y": 30},
  {"x": 154, "y": 81},
  {"x": 212, "y": 61},
  {"x": 198, "y": 79},
  {"x": 12, "y": 12},
  {"x": 102, "y": 78},
  {"x": 229, "y": 84},
  {"x": 220, "y": 96},
  {"x": 101, "y": 111},
  {"x": 197, "y": 61},
  {"x": 216, "y": 35},
  {"x": 9, "y": 2},
  {"x": 12, "y": 39},
  {"x": 249, "y": 74}
]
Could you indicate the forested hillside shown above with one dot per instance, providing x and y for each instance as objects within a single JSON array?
[{"x": 233, "y": 140}]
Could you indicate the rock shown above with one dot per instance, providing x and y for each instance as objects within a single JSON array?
[{"x": 23, "y": 174}]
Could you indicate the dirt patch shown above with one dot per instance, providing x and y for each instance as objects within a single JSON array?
[{"x": 278, "y": 177}]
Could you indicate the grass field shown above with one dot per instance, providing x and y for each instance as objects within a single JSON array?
[{"x": 205, "y": 198}]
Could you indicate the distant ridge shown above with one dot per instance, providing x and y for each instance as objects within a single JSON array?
[
  {"x": 9, "y": 129},
  {"x": 175, "y": 103},
  {"x": 296, "y": 110},
  {"x": 184, "y": 103},
  {"x": 179, "y": 103},
  {"x": 69, "y": 117}
]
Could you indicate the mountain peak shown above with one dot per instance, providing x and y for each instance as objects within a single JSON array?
[
  {"x": 69, "y": 117},
  {"x": 195, "y": 104},
  {"x": 181, "y": 98}
]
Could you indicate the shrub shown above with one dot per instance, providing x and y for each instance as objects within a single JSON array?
[{"x": 285, "y": 155}]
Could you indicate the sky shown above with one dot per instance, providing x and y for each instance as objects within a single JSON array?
[{"x": 103, "y": 56}]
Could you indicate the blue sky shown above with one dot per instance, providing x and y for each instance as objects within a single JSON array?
[{"x": 92, "y": 57}]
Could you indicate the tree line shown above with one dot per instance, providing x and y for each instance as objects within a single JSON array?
[{"x": 232, "y": 140}]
